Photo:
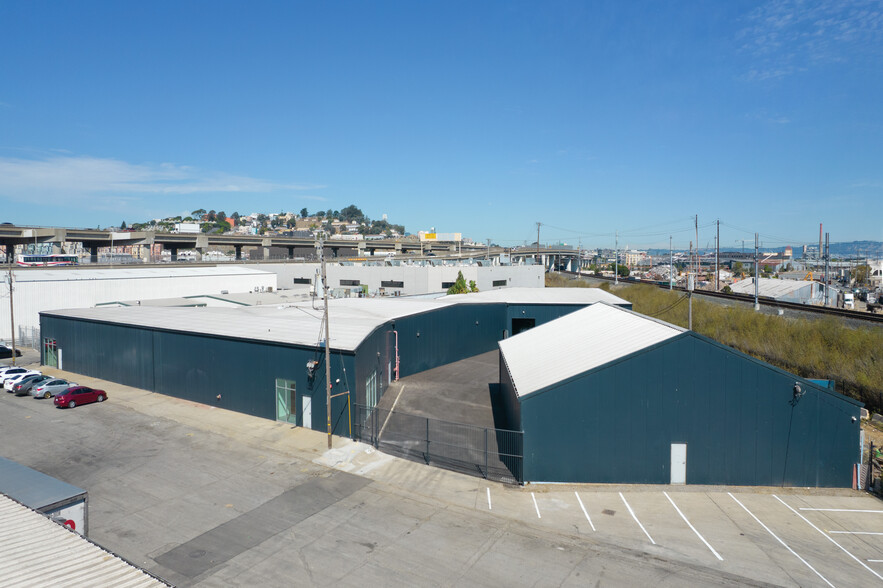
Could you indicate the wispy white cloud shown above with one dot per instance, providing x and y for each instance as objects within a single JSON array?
[
  {"x": 69, "y": 176},
  {"x": 784, "y": 37}
]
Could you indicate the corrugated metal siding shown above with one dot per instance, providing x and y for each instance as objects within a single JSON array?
[
  {"x": 447, "y": 335},
  {"x": 34, "y": 551},
  {"x": 199, "y": 367},
  {"x": 616, "y": 424},
  {"x": 577, "y": 343},
  {"x": 32, "y": 297}
]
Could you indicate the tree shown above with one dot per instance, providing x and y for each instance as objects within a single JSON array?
[
  {"x": 123, "y": 226},
  {"x": 329, "y": 214},
  {"x": 738, "y": 268},
  {"x": 862, "y": 272},
  {"x": 235, "y": 216},
  {"x": 211, "y": 216},
  {"x": 352, "y": 213},
  {"x": 198, "y": 212},
  {"x": 472, "y": 286},
  {"x": 320, "y": 213},
  {"x": 304, "y": 213},
  {"x": 221, "y": 216},
  {"x": 620, "y": 269},
  {"x": 459, "y": 286}
]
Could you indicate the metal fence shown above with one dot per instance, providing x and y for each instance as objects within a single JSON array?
[
  {"x": 493, "y": 454},
  {"x": 28, "y": 337}
]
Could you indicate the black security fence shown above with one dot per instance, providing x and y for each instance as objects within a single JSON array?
[{"x": 493, "y": 454}]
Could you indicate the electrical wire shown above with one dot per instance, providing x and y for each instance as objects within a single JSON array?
[{"x": 670, "y": 307}]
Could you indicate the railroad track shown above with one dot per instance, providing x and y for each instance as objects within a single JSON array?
[{"x": 770, "y": 302}]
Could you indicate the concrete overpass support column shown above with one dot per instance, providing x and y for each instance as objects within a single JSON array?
[
  {"x": 238, "y": 249},
  {"x": 361, "y": 247},
  {"x": 200, "y": 251},
  {"x": 93, "y": 251},
  {"x": 291, "y": 253},
  {"x": 266, "y": 253},
  {"x": 174, "y": 251}
]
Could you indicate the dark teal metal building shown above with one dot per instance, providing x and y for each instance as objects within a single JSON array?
[
  {"x": 607, "y": 395},
  {"x": 269, "y": 362}
]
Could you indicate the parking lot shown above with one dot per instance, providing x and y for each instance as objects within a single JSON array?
[{"x": 206, "y": 497}]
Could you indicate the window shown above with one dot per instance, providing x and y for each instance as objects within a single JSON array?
[
  {"x": 447, "y": 285},
  {"x": 391, "y": 284},
  {"x": 350, "y": 283},
  {"x": 302, "y": 281},
  {"x": 499, "y": 283}
]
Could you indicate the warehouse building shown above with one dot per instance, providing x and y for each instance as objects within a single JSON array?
[
  {"x": 37, "y": 289},
  {"x": 796, "y": 291},
  {"x": 268, "y": 361},
  {"x": 607, "y": 395},
  {"x": 396, "y": 278}
]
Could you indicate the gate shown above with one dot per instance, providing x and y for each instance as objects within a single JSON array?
[{"x": 493, "y": 454}]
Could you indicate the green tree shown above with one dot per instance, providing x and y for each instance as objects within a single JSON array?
[
  {"x": 862, "y": 272},
  {"x": 304, "y": 213},
  {"x": 198, "y": 212},
  {"x": 472, "y": 286},
  {"x": 235, "y": 216},
  {"x": 738, "y": 269},
  {"x": 459, "y": 286},
  {"x": 352, "y": 213},
  {"x": 123, "y": 226},
  {"x": 320, "y": 213},
  {"x": 221, "y": 216},
  {"x": 620, "y": 269}
]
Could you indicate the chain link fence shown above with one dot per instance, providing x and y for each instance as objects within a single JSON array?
[{"x": 493, "y": 454}]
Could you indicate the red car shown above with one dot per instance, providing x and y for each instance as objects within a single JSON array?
[{"x": 79, "y": 395}]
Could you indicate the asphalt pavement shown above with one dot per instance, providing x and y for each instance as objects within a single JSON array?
[{"x": 206, "y": 497}]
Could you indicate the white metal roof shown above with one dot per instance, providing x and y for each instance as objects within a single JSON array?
[
  {"x": 351, "y": 320},
  {"x": 770, "y": 287},
  {"x": 539, "y": 296},
  {"x": 131, "y": 273},
  {"x": 35, "y": 551},
  {"x": 578, "y": 342}
]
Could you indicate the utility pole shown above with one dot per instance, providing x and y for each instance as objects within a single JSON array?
[
  {"x": 696, "y": 224},
  {"x": 671, "y": 265},
  {"x": 327, "y": 338},
  {"x": 616, "y": 259},
  {"x": 717, "y": 255},
  {"x": 826, "y": 269},
  {"x": 11, "y": 311},
  {"x": 538, "y": 243},
  {"x": 756, "y": 276}
]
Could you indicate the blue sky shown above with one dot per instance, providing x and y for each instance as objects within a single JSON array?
[{"x": 474, "y": 117}]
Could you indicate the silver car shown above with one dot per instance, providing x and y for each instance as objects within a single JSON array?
[{"x": 51, "y": 388}]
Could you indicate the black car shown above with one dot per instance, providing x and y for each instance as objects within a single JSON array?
[{"x": 6, "y": 352}]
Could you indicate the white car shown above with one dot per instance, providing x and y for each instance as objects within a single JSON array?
[
  {"x": 9, "y": 382},
  {"x": 14, "y": 372}
]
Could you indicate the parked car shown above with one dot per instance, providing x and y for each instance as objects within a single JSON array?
[
  {"x": 9, "y": 382},
  {"x": 52, "y": 387},
  {"x": 14, "y": 372},
  {"x": 6, "y": 352},
  {"x": 25, "y": 385},
  {"x": 79, "y": 395}
]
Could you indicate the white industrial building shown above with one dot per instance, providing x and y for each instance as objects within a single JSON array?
[
  {"x": 797, "y": 291},
  {"x": 40, "y": 289},
  {"x": 405, "y": 279}
]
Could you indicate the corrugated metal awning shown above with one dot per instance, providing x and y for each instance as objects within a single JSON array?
[{"x": 35, "y": 551}]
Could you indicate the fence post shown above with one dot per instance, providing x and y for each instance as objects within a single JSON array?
[
  {"x": 374, "y": 428},
  {"x": 870, "y": 477},
  {"x": 427, "y": 441},
  {"x": 485, "y": 455}
]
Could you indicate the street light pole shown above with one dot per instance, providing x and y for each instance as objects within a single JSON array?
[{"x": 327, "y": 340}]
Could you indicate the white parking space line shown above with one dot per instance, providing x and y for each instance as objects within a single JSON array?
[
  {"x": 841, "y": 510},
  {"x": 636, "y": 519},
  {"x": 875, "y": 560},
  {"x": 489, "y": 499},
  {"x": 399, "y": 395},
  {"x": 536, "y": 506},
  {"x": 707, "y": 544},
  {"x": 855, "y": 533},
  {"x": 580, "y": 500},
  {"x": 829, "y": 538},
  {"x": 785, "y": 545}
]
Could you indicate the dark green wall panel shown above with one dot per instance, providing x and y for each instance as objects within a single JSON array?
[{"x": 737, "y": 416}]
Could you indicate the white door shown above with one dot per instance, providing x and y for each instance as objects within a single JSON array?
[
  {"x": 306, "y": 411},
  {"x": 678, "y": 463}
]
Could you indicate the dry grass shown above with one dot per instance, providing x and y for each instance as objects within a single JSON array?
[{"x": 820, "y": 348}]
